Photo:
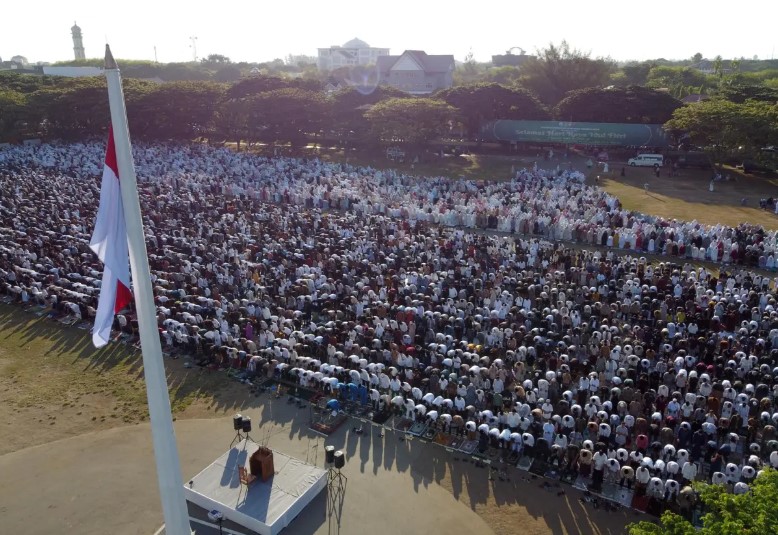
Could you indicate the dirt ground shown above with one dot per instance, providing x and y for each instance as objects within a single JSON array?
[{"x": 54, "y": 384}]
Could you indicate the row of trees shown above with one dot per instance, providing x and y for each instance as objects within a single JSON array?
[
  {"x": 550, "y": 74},
  {"x": 265, "y": 108}
]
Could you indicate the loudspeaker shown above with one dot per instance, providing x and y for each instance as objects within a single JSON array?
[
  {"x": 340, "y": 459},
  {"x": 237, "y": 422},
  {"x": 247, "y": 424},
  {"x": 329, "y": 454}
]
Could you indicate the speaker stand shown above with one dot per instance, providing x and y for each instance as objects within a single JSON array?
[
  {"x": 237, "y": 439},
  {"x": 336, "y": 480}
]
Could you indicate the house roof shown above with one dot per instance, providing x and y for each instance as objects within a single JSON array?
[{"x": 430, "y": 63}]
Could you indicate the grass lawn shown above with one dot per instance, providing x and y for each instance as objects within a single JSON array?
[
  {"x": 54, "y": 384},
  {"x": 686, "y": 197}
]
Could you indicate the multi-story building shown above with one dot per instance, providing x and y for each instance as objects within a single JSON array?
[{"x": 355, "y": 52}]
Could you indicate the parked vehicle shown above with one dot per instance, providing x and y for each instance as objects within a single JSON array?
[{"x": 646, "y": 160}]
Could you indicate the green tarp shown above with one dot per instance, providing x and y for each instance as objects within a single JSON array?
[{"x": 640, "y": 135}]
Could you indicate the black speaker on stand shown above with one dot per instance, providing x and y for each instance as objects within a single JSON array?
[
  {"x": 247, "y": 428},
  {"x": 336, "y": 480},
  {"x": 329, "y": 460},
  {"x": 237, "y": 426}
]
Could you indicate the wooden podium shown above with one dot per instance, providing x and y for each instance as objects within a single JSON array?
[{"x": 261, "y": 463}]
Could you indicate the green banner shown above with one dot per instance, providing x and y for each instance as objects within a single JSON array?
[{"x": 640, "y": 135}]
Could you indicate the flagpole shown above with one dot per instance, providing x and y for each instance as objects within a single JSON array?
[{"x": 163, "y": 436}]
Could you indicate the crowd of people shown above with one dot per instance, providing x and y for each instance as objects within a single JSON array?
[{"x": 468, "y": 305}]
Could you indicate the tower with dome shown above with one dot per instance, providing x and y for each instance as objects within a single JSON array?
[{"x": 78, "y": 42}]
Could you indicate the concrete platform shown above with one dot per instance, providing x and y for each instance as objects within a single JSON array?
[{"x": 264, "y": 507}]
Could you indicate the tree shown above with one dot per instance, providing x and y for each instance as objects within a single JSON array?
[
  {"x": 726, "y": 129},
  {"x": 617, "y": 105},
  {"x": 696, "y": 58},
  {"x": 740, "y": 93},
  {"x": 633, "y": 73},
  {"x": 228, "y": 73},
  {"x": 349, "y": 106},
  {"x": 718, "y": 67},
  {"x": 27, "y": 83},
  {"x": 76, "y": 110},
  {"x": 256, "y": 84},
  {"x": 506, "y": 75},
  {"x": 677, "y": 79},
  {"x": 178, "y": 110},
  {"x": 412, "y": 121},
  {"x": 288, "y": 114},
  {"x": 13, "y": 111},
  {"x": 557, "y": 70},
  {"x": 478, "y": 103},
  {"x": 469, "y": 71},
  {"x": 215, "y": 59},
  {"x": 181, "y": 72},
  {"x": 753, "y": 513}
]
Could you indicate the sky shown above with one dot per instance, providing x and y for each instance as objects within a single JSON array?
[{"x": 265, "y": 30}]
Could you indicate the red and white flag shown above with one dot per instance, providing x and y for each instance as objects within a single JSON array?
[{"x": 109, "y": 242}]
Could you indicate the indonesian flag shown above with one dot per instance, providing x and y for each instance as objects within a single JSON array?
[{"x": 109, "y": 242}]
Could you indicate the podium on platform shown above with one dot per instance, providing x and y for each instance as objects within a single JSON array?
[{"x": 261, "y": 463}]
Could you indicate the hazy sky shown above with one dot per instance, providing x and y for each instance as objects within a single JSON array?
[{"x": 263, "y": 30}]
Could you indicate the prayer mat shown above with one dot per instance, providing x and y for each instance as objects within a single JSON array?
[
  {"x": 328, "y": 425},
  {"x": 381, "y": 417},
  {"x": 445, "y": 440},
  {"x": 430, "y": 433},
  {"x": 640, "y": 503},
  {"x": 469, "y": 446},
  {"x": 568, "y": 478},
  {"x": 455, "y": 442},
  {"x": 582, "y": 483},
  {"x": 613, "y": 492},
  {"x": 417, "y": 429},
  {"x": 403, "y": 424},
  {"x": 552, "y": 473},
  {"x": 539, "y": 467},
  {"x": 525, "y": 463}
]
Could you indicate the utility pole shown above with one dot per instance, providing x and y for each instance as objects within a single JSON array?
[
  {"x": 193, "y": 46},
  {"x": 155, "y": 54}
]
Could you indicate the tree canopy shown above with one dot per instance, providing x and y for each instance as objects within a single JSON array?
[
  {"x": 483, "y": 102},
  {"x": 631, "y": 104},
  {"x": 726, "y": 129},
  {"x": 411, "y": 121},
  {"x": 754, "y": 513},
  {"x": 559, "y": 69}
]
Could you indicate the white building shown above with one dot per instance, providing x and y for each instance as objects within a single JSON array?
[
  {"x": 355, "y": 52},
  {"x": 72, "y": 72}
]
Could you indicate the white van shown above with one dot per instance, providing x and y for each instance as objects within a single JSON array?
[{"x": 646, "y": 160}]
